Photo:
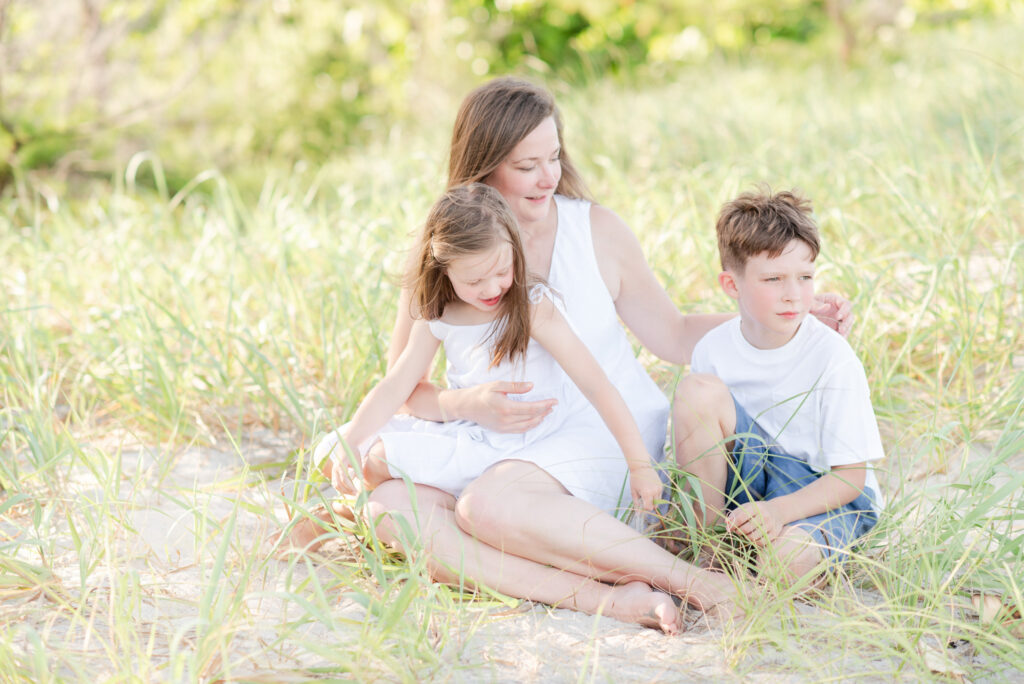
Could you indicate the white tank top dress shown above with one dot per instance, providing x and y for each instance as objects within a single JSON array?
[{"x": 573, "y": 444}]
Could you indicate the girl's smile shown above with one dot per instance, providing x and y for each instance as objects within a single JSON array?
[{"x": 481, "y": 280}]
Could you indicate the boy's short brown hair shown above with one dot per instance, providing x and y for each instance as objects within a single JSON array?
[{"x": 763, "y": 221}]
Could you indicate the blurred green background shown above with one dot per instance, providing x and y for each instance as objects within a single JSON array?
[{"x": 236, "y": 85}]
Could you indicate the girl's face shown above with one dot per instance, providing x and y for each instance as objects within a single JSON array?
[
  {"x": 481, "y": 280},
  {"x": 527, "y": 178}
]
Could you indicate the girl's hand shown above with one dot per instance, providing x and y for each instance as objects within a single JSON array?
[
  {"x": 645, "y": 487},
  {"x": 755, "y": 520},
  {"x": 343, "y": 473},
  {"x": 833, "y": 310},
  {"x": 488, "y": 405}
]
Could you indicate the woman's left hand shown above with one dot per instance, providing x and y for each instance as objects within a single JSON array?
[{"x": 833, "y": 310}]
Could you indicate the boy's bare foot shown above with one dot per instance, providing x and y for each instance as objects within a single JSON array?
[
  {"x": 716, "y": 596},
  {"x": 640, "y": 604}
]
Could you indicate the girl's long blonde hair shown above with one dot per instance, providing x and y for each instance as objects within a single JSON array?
[
  {"x": 492, "y": 120},
  {"x": 468, "y": 220}
]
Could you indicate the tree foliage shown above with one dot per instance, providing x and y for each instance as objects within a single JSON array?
[{"x": 84, "y": 84}]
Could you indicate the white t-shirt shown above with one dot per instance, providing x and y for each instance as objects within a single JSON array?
[{"x": 810, "y": 395}]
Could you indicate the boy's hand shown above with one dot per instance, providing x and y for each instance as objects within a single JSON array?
[
  {"x": 755, "y": 520},
  {"x": 645, "y": 487}
]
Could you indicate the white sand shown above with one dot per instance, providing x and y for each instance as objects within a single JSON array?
[{"x": 180, "y": 504}]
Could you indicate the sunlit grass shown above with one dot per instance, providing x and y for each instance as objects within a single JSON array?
[{"x": 138, "y": 326}]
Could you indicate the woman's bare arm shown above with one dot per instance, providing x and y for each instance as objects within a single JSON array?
[
  {"x": 640, "y": 300},
  {"x": 647, "y": 310}
]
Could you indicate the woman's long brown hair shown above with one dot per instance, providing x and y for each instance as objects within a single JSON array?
[
  {"x": 469, "y": 220},
  {"x": 492, "y": 120}
]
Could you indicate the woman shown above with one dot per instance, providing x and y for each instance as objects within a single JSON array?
[{"x": 518, "y": 529}]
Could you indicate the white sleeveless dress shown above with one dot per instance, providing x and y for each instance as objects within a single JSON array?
[{"x": 572, "y": 444}]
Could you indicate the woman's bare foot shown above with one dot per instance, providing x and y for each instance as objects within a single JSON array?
[{"x": 640, "y": 604}]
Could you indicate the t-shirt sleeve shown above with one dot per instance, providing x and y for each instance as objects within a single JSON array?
[
  {"x": 699, "y": 361},
  {"x": 849, "y": 429}
]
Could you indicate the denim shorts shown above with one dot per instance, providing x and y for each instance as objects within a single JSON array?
[{"x": 760, "y": 471}]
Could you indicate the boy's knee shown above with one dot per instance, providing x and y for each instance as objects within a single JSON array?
[
  {"x": 798, "y": 553},
  {"x": 698, "y": 396}
]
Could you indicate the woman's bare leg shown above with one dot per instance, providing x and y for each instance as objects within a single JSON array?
[
  {"x": 520, "y": 509},
  {"x": 455, "y": 558}
]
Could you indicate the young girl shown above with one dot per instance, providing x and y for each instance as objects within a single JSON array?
[{"x": 471, "y": 293}]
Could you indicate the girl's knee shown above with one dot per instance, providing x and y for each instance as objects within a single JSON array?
[
  {"x": 326, "y": 447},
  {"x": 326, "y": 452},
  {"x": 375, "y": 466}
]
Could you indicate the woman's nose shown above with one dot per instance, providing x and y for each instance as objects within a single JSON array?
[{"x": 549, "y": 175}]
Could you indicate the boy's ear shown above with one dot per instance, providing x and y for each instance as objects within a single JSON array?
[{"x": 727, "y": 279}]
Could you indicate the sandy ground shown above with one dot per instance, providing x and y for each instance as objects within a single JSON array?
[{"x": 175, "y": 504}]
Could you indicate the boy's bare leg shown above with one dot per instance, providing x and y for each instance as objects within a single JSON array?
[
  {"x": 519, "y": 508},
  {"x": 703, "y": 415},
  {"x": 796, "y": 554},
  {"x": 457, "y": 558}
]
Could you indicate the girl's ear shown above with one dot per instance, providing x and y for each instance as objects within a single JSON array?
[{"x": 727, "y": 279}]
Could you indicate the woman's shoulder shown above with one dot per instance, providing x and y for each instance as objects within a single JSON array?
[{"x": 607, "y": 225}]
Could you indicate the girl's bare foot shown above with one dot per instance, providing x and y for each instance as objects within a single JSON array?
[
  {"x": 305, "y": 535},
  {"x": 640, "y": 604}
]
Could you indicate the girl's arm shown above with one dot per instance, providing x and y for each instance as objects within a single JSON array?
[
  {"x": 487, "y": 404},
  {"x": 388, "y": 395},
  {"x": 552, "y": 331},
  {"x": 648, "y": 311}
]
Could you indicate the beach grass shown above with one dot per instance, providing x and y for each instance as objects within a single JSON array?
[{"x": 168, "y": 361}]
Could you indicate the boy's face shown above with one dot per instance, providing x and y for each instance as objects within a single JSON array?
[{"x": 774, "y": 294}]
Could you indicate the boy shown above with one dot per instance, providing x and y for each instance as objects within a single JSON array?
[{"x": 776, "y": 420}]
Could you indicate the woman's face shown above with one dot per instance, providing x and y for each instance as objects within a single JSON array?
[{"x": 528, "y": 176}]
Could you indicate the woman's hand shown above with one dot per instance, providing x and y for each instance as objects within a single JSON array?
[
  {"x": 488, "y": 405},
  {"x": 645, "y": 486},
  {"x": 833, "y": 310}
]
